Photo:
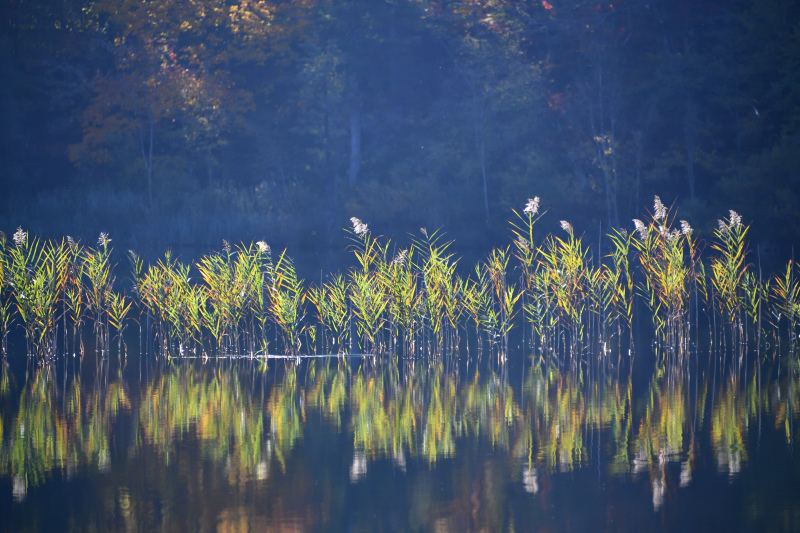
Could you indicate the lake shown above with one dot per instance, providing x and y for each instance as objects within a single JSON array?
[{"x": 449, "y": 443}]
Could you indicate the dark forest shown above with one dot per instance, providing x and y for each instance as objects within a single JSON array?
[{"x": 173, "y": 123}]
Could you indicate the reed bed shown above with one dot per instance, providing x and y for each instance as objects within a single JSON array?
[{"x": 559, "y": 298}]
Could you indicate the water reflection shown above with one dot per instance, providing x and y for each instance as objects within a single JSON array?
[
  {"x": 440, "y": 442},
  {"x": 54, "y": 425}
]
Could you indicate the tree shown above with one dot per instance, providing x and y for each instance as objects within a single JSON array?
[{"x": 170, "y": 83}]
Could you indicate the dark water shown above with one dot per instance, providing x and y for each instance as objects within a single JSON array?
[{"x": 425, "y": 445}]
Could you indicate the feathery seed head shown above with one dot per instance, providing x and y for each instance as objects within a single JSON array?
[
  {"x": 566, "y": 226},
  {"x": 735, "y": 219},
  {"x": 226, "y": 246},
  {"x": 723, "y": 227},
  {"x": 523, "y": 243},
  {"x": 532, "y": 207},
  {"x": 624, "y": 233},
  {"x": 103, "y": 240},
  {"x": 641, "y": 228},
  {"x": 659, "y": 209},
  {"x": 263, "y": 247},
  {"x": 400, "y": 258},
  {"x": 424, "y": 232},
  {"x": 359, "y": 228},
  {"x": 71, "y": 242},
  {"x": 674, "y": 235},
  {"x": 686, "y": 229},
  {"x": 20, "y": 237}
]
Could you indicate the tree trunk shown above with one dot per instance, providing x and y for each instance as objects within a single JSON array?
[
  {"x": 690, "y": 138},
  {"x": 355, "y": 135},
  {"x": 147, "y": 154}
]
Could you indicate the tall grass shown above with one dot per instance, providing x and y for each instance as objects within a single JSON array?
[
  {"x": 666, "y": 258},
  {"x": 35, "y": 273},
  {"x": 785, "y": 304},
  {"x": 243, "y": 301},
  {"x": 566, "y": 271},
  {"x": 401, "y": 281},
  {"x": 287, "y": 296},
  {"x": 5, "y": 295},
  {"x": 728, "y": 270},
  {"x": 98, "y": 286},
  {"x": 368, "y": 296},
  {"x": 330, "y": 302},
  {"x": 441, "y": 292}
]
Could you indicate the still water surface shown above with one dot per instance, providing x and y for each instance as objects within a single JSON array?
[{"x": 425, "y": 445}]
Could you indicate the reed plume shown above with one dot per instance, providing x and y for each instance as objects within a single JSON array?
[
  {"x": 728, "y": 268},
  {"x": 662, "y": 253}
]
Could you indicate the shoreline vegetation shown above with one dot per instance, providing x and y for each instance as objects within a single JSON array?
[{"x": 557, "y": 292}]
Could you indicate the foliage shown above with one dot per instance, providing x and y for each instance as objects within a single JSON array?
[
  {"x": 418, "y": 302},
  {"x": 409, "y": 113}
]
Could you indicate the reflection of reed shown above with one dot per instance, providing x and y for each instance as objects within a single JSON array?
[
  {"x": 250, "y": 422},
  {"x": 662, "y": 431},
  {"x": 216, "y": 409},
  {"x": 729, "y": 423},
  {"x": 427, "y": 414},
  {"x": 57, "y": 429},
  {"x": 564, "y": 411}
]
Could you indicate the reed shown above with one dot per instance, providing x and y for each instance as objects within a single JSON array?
[
  {"x": 785, "y": 306},
  {"x": 539, "y": 308},
  {"x": 367, "y": 293},
  {"x": 286, "y": 294},
  {"x": 118, "y": 307},
  {"x": 487, "y": 313},
  {"x": 505, "y": 295},
  {"x": 573, "y": 300},
  {"x": 621, "y": 282},
  {"x": 5, "y": 296},
  {"x": 224, "y": 297},
  {"x": 523, "y": 230},
  {"x": 262, "y": 259},
  {"x": 601, "y": 282},
  {"x": 756, "y": 294},
  {"x": 474, "y": 302},
  {"x": 97, "y": 272},
  {"x": 534, "y": 288},
  {"x": 74, "y": 297},
  {"x": 400, "y": 280},
  {"x": 728, "y": 270},
  {"x": 330, "y": 302},
  {"x": 662, "y": 252},
  {"x": 137, "y": 273},
  {"x": 33, "y": 274},
  {"x": 155, "y": 291},
  {"x": 439, "y": 291},
  {"x": 252, "y": 268},
  {"x": 179, "y": 297},
  {"x": 564, "y": 263}
]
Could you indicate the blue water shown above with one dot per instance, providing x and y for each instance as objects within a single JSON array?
[{"x": 445, "y": 444}]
